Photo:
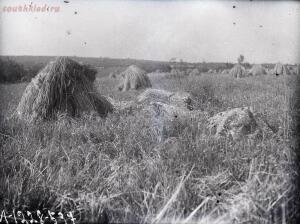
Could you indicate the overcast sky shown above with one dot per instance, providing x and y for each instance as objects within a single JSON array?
[{"x": 158, "y": 30}]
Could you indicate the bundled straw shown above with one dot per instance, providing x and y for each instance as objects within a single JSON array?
[
  {"x": 134, "y": 78},
  {"x": 280, "y": 69},
  {"x": 238, "y": 71},
  {"x": 63, "y": 86},
  {"x": 257, "y": 70}
]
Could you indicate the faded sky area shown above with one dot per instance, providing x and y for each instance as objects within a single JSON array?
[{"x": 159, "y": 30}]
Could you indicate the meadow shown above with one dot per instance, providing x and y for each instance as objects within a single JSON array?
[{"x": 120, "y": 165}]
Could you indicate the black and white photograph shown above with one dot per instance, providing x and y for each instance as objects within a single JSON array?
[{"x": 149, "y": 111}]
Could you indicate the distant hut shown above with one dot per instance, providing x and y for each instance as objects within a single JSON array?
[
  {"x": 280, "y": 69},
  {"x": 257, "y": 70},
  {"x": 134, "y": 78},
  {"x": 238, "y": 71},
  {"x": 63, "y": 86}
]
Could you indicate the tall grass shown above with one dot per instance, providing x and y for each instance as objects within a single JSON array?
[{"x": 118, "y": 164}]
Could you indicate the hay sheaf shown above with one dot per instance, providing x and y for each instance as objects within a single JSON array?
[
  {"x": 238, "y": 71},
  {"x": 134, "y": 78},
  {"x": 63, "y": 86},
  {"x": 280, "y": 69},
  {"x": 257, "y": 70}
]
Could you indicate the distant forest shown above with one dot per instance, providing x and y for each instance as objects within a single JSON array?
[{"x": 24, "y": 68}]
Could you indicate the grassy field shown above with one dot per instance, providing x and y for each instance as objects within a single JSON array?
[{"x": 119, "y": 165}]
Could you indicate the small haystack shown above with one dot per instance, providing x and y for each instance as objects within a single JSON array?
[
  {"x": 134, "y": 78},
  {"x": 257, "y": 70},
  {"x": 63, "y": 86},
  {"x": 225, "y": 71},
  {"x": 195, "y": 72},
  {"x": 239, "y": 123},
  {"x": 280, "y": 69},
  {"x": 294, "y": 69},
  {"x": 177, "y": 73},
  {"x": 210, "y": 71},
  {"x": 238, "y": 71}
]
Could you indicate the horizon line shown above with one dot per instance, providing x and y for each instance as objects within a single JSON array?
[{"x": 141, "y": 59}]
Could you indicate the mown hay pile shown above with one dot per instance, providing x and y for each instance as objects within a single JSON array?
[
  {"x": 179, "y": 99},
  {"x": 170, "y": 120},
  {"x": 257, "y": 70},
  {"x": 63, "y": 86},
  {"x": 238, "y": 71},
  {"x": 239, "y": 123},
  {"x": 134, "y": 78},
  {"x": 280, "y": 69},
  {"x": 154, "y": 95}
]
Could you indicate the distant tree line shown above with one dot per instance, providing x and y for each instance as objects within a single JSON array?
[{"x": 12, "y": 71}]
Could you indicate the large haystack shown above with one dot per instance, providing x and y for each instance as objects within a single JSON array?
[
  {"x": 238, "y": 71},
  {"x": 63, "y": 86},
  {"x": 257, "y": 70},
  {"x": 280, "y": 69},
  {"x": 134, "y": 78}
]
